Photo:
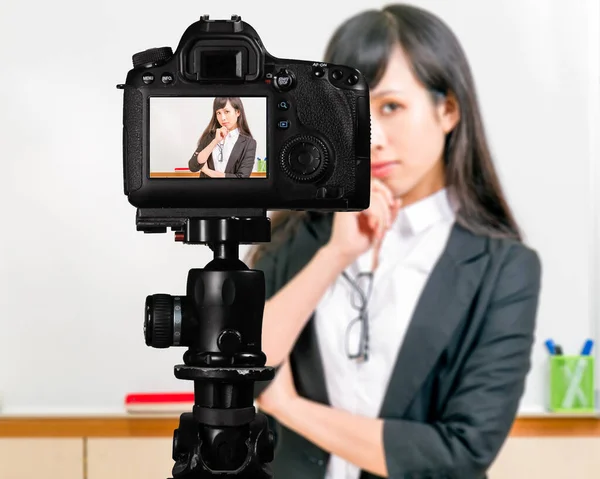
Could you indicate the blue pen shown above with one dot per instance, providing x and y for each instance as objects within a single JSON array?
[
  {"x": 587, "y": 348},
  {"x": 550, "y": 345},
  {"x": 558, "y": 350}
]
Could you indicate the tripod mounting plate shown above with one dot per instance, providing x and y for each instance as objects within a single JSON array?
[
  {"x": 200, "y": 225},
  {"x": 230, "y": 374}
]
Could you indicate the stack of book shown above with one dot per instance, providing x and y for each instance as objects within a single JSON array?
[{"x": 159, "y": 403}]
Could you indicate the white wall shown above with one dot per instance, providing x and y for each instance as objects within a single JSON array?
[{"x": 74, "y": 272}]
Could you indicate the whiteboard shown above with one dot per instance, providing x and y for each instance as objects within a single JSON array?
[{"x": 74, "y": 271}]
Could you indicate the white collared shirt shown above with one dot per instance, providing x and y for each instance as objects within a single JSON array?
[
  {"x": 227, "y": 145},
  {"x": 409, "y": 251}
]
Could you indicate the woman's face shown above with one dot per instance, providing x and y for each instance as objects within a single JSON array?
[
  {"x": 227, "y": 116},
  {"x": 408, "y": 132}
]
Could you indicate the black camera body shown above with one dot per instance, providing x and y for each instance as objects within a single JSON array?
[{"x": 316, "y": 135}]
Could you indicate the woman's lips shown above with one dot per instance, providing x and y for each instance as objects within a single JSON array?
[{"x": 383, "y": 168}]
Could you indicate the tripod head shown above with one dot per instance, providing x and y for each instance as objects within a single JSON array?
[{"x": 219, "y": 320}]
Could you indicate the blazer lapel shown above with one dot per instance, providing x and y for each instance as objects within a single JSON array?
[
  {"x": 310, "y": 378},
  {"x": 453, "y": 283},
  {"x": 236, "y": 154}
]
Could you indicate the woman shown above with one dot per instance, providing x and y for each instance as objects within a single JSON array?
[
  {"x": 226, "y": 148},
  {"x": 402, "y": 334}
]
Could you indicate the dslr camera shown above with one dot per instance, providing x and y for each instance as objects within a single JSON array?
[
  {"x": 305, "y": 126},
  {"x": 214, "y": 135}
]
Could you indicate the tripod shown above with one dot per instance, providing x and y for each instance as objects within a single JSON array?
[{"x": 220, "y": 321}]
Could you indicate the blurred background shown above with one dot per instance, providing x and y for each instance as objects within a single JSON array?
[{"x": 74, "y": 272}]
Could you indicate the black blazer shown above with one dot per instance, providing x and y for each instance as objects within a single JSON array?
[
  {"x": 241, "y": 160},
  {"x": 460, "y": 372}
]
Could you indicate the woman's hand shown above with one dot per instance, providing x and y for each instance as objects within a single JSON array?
[
  {"x": 354, "y": 233},
  {"x": 220, "y": 134},
  {"x": 280, "y": 392}
]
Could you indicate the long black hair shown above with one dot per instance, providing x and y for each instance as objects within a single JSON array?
[
  {"x": 213, "y": 125},
  {"x": 365, "y": 41}
]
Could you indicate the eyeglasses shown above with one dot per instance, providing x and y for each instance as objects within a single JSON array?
[
  {"x": 357, "y": 333},
  {"x": 220, "y": 159}
]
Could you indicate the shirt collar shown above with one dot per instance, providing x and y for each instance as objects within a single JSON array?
[
  {"x": 233, "y": 134},
  {"x": 419, "y": 216}
]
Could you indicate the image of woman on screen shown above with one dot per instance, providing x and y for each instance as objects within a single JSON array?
[{"x": 226, "y": 148}]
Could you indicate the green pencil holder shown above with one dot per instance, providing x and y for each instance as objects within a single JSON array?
[
  {"x": 572, "y": 384},
  {"x": 261, "y": 166}
]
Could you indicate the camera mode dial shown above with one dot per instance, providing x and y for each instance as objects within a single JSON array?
[
  {"x": 152, "y": 57},
  {"x": 304, "y": 158}
]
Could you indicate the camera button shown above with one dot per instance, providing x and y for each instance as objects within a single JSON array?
[
  {"x": 330, "y": 192},
  {"x": 283, "y": 105},
  {"x": 305, "y": 158},
  {"x": 337, "y": 74},
  {"x": 283, "y": 124},
  {"x": 148, "y": 78},
  {"x": 318, "y": 72},
  {"x": 352, "y": 79},
  {"x": 167, "y": 78},
  {"x": 284, "y": 80}
]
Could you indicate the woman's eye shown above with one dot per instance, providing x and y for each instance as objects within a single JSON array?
[{"x": 389, "y": 107}]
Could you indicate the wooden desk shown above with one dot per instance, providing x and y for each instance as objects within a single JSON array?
[
  {"x": 163, "y": 426},
  {"x": 191, "y": 174},
  {"x": 139, "y": 447}
]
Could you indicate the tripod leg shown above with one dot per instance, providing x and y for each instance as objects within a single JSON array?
[
  {"x": 200, "y": 451},
  {"x": 186, "y": 446}
]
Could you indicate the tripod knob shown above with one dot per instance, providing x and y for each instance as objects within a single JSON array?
[
  {"x": 158, "y": 323},
  {"x": 229, "y": 341}
]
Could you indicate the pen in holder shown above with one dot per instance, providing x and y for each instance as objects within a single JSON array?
[{"x": 572, "y": 384}]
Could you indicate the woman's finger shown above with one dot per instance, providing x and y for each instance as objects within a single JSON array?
[
  {"x": 372, "y": 220},
  {"x": 378, "y": 207},
  {"x": 379, "y": 215},
  {"x": 376, "y": 250},
  {"x": 377, "y": 186},
  {"x": 386, "y": 211}
]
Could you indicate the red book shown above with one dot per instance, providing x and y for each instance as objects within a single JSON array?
[{"x": 159, "y": 402}]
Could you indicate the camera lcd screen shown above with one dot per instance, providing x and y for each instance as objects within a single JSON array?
[{"x": 208, "y": 137}]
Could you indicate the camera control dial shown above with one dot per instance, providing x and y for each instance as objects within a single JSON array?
[
  {"x": 304, "y": 158},
  {"x": 152, "y": 57}
]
